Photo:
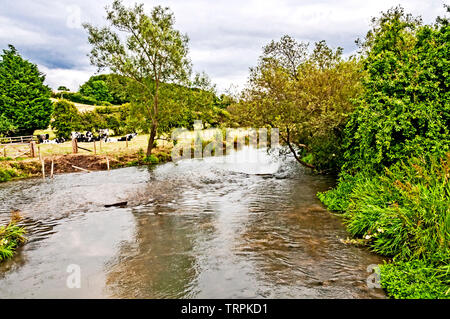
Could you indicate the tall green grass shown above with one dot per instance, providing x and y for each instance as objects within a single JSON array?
[
  {"x": 404, "y": 214},
  {"x": 11, "y": 237}
]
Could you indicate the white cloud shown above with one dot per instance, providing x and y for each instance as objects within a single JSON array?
[
  {"x": 226, "y": 35},
  {"x": 67, "y": 77}
]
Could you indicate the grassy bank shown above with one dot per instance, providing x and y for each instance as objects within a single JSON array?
[
  {"x": 119, "y": 154},
  {"x": 404, "y": 214},
  {"x": 11, "y": 237}
]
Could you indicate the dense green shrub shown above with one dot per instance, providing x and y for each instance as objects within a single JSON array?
[
  {"x": 106, "y": 87},
  {"x": 6, "y": 174},
  {"x": 404, "y": 110},
  {"x": 394, "y": 187},
  {"x": 24, "y": 99},
  {"x": 403, "y": 213},
  {"x": 152, "y": 159},
  {"x": 66, "y": 119},
  {"x": 416, "y": 279},
  {"x": 338, "y": 199},
  {"x": 97, "y": 90}
]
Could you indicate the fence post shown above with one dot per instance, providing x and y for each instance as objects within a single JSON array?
[
  {"x": 4, "y": 151},
  {"x": 95, "y": 149},
  {"x": 51, "y": 171},
  {"x": 74, "y": 146},
  {"x": 33, "y": 149},
  {"x": 43, "y": 168}
]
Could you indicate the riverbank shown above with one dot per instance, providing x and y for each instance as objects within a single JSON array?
[
  {"x": 20, "y": 168},
  {"x": 402, "y": 214}
]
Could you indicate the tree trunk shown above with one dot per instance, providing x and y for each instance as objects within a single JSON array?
[
  {"x": 151, "y": 139},
  {"x": 291, "y": 148}
]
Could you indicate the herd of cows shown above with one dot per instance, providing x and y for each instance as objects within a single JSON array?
[{"x": 86, "y": 138}]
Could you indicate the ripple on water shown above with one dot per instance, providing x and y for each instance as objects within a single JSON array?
[{"x": 215, "y": 228}]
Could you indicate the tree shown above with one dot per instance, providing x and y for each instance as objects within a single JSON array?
[
  {"x": 147, "y": 50},
  {"x": 63, "y": 88},
  {"x": 66, "y": 119},
  {"x": 24, "y": 99},
  {"x": 404, "y": 110},
  {"x": 306, "y": 95},
  {"x": 96, "y": 89},
  {"x": 6, "y": 127},
  {"x": 106, "y": 87}
]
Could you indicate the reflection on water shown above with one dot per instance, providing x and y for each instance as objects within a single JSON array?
[{"x": 241, "y": 226}]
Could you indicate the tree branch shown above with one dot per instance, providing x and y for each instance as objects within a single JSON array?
[{"x": 288, "y": 142}]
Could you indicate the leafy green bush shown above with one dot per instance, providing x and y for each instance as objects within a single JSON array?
[
  {"x": 6, "y": 174},
  {"x": 152, "y": 159},
  {"x": 106, "y": 87},
  {"x": 404, "y": 110},
  {"x": 66, "y": 119},
  {"x": 416, "y": 279},
  {"x": 11, "y": 236},
  {"x": 403, "y": 213},
  {"x": 97, "y": 90},
  {"x": 337, "y": 199}
]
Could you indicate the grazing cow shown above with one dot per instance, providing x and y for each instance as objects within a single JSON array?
[
  {"x": 76, "y": 135},
  {"x": 103, "y": 134},
  {"x": 43, "y": 137},
  {"x": 60, "y": 140},
  {"x": 89, "y": 137},
  {"x": 127, "y": 137}
]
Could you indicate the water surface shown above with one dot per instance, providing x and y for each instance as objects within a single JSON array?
[{"x": 247, "y": 225}]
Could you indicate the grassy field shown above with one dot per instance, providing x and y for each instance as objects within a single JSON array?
[
  {"x": 102, "y": 148},
  {"x": 137, "y": 143}
]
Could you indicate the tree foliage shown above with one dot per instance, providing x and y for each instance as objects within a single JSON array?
[
  {"x": 307, "y": 95},
  {"x": 405, "y": 107},
  {"x": 24, "y": 99},
  {"x": 109, "y": 88},
  {"x": 147, "y": 50},
  {"x": 66, "y": 119}
]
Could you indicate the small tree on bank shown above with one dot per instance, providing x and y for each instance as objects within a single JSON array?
[
  {"x": 25, "y": 104},
  {"x": 66, "y": 119},
  {"x": 146, "y": 49}
]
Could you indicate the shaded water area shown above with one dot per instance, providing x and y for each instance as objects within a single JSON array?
[{"x": 247, "y": 225}]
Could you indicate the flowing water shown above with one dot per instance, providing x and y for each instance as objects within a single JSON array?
[{"x": 247, "y": 225}]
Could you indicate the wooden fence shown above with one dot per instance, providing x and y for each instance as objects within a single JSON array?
[
  {"x": 18, "y": 139},
  {"x": 18, "y": 146}
]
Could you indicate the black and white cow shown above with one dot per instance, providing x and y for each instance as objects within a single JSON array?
[
  {"x": 42, "y": 138},
  {"x": 127, "y": 137}
]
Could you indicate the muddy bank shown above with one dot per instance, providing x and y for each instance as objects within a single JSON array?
[{"x": 26, "y": 168}]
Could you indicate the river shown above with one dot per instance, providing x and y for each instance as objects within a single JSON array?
[{"x": 247, "y": 225}]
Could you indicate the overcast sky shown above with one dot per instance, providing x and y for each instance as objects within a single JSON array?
[{"x": 226, "y": 36}]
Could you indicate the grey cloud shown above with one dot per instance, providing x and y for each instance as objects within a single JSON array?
[{"x": 226, "y": 37}]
